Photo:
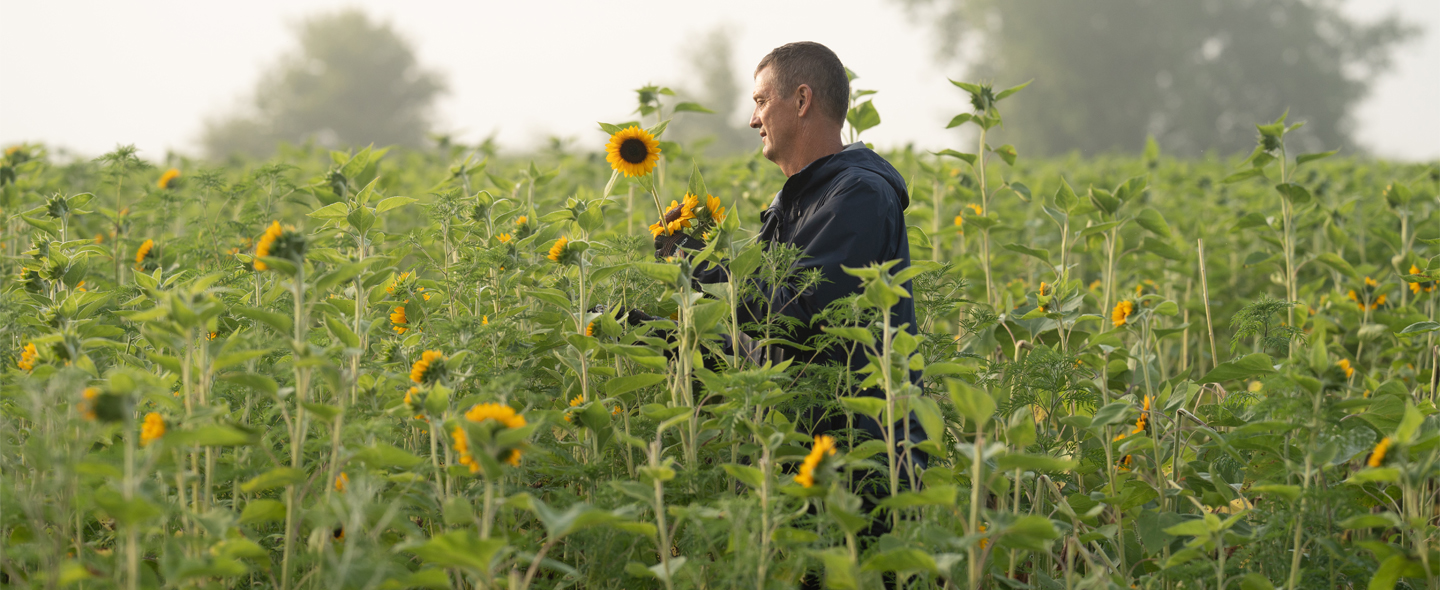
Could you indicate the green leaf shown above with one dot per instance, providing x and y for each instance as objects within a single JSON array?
[
  {"x": 1245, "y": 174},
  {"x": 863, "y": 116},
  {"x": 383, "y": 456},
  {"x": 1370, "y": 521},
  {"x": 1190, "y": 528},
  {"x": 1250, "y": 366},
  {"x": 968, "y": 158},
  {"x": 211, "y": 435},
  {"x": 1043, "y": 255},
  {"x": 1152, "y": 220},
  {"x": 901, "y": 560},
  {"x": 931, "y": 496},
  {"x": 1334, "y": 261},
  {"x": 262, "y": 511},
  {"x": 459, "y": 549},
  {"x": 1420, "y": 328},
  {"x": 1027, "y": 462},
  {"x": 331, "y": 211},
  {"x": 691, "y": 107},
  {"x": 1294, "y": 193},
  {"x": 959, "y": 120},
  {"x": 1254, "y": 581},
  {"x": 749, "y": 475},
  {"x": 276, "y": 321},
  {"x": 629, "y": 383},
  {"x": 1303, "y": 158},
  {"x": 863, "y": 405},
  {"x": 1111, "y": 413},
  {"x": 973, "y": 403},
  {"x": 278, "y": 477},
  {"x": 668, "y": 274},
  {"x": 1012, "y": 90},
  {"x": 861, "y": 335},
  {"x": 393, "y": 203}
]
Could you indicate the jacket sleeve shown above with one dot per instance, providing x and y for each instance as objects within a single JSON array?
[{"x": 851, "y": 226}]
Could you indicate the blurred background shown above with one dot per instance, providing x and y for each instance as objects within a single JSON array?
[{"x": 212, "y": 80}]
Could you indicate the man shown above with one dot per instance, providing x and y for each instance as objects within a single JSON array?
[{"x": 842, "y": 205}]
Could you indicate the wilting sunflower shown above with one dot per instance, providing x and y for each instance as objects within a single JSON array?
[
  {"x": 1377, "y": 456},
  {"x": 145, "y": 256},
  {"x": 1423, "y": 286},
  {"x": 28, "y": 356},
  {"x": 1121, "y": 314},
  {"x": 153, "y": 429},
  {"x": 824, "y": 447},
  {"x": 167, "y": 180},
  {"x": 1344, "y": 365},
  {"x": 342, "y": 481},
  {"x": 430, "y": 368},
  {"x": 632, "y": 151},
  {"x": 399, "y": 321}
]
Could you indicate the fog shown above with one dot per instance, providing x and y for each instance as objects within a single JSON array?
[{"x": 88, "y": 75}]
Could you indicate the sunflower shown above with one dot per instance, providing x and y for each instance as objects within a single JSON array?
[
  {"x": 167, "y": 179},
  {"x": 1140, "y": 422},
  {"x": 824, "y": 447},
  {"x": 398, "y": 283},
  {"x": 521, "y": 220},
  {"x": 145, "y": 255},
  {"x": 1422, "y": 286},
  {"x": 977, "y": 209},
  {"x": 960, "y": 222},
  {"x": 1377, "y": 457},
  {"x": 632, "y": 151},
  {"x": 712, "y": 205},
  {"x": 1121, "y": 314},
  {"x": 341, "y": 482},
  {"x": 429, "y": 368},
  {"x": 1344, "y": 365},
  {"x": 574, "y": 402},
  {"x": 504, "y": 238},
  {"x": 412, "y": 399},
  {"x": 267, "y": 241},
  {"x": 462, "y": 448},
  {"x": 501, "y": 413},
  {"x": 338, "y": 533},
  {"x": 153, "y": 429},
  {"x": 557, "y": 251},
  {"x": 590, "y": 329},
  {"x": 399, "y": 320},
  {"x": 28, "y": 355},
  {"x": 86, "y": 407}
]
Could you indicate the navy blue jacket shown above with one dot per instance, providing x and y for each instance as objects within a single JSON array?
[{"x": 842, "y": 210}]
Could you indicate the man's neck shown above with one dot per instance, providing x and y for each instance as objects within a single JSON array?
[{"x": 810, "y": 151}]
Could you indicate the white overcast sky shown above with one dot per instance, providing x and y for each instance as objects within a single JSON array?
[{"x": 86, "y": 75}]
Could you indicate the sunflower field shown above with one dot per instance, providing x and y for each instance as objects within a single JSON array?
[{"x": 446, "y": 368}]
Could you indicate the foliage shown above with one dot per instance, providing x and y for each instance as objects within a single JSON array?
[{"x": 406, "y": 368}]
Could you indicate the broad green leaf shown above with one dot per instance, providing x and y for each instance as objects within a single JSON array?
[{"x": 1250, "y": 366}]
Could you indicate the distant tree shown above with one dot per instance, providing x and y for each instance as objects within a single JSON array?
[
  {"x": 1194, "y": 74},
  {"x": 352, "y": 81},
  {"x": 716, "y": 86}
]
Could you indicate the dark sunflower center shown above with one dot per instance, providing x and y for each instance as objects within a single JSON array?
[{"x": 633, "y": 151}]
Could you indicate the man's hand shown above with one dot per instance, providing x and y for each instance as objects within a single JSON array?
[{"x": 666, "y": 246}]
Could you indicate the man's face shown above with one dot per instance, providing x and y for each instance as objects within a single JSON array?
[{"x": 776, "y": 116}]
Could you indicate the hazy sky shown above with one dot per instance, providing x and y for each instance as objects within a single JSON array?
[{"x": 87, "y": 75}]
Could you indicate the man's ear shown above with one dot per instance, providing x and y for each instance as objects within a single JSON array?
[{"x": 806, "y": 97}]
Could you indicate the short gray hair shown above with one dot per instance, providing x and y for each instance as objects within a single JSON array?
[{"x": 812, "y": 64}]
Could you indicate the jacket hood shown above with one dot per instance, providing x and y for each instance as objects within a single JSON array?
[{"x": 855, "y": 155}]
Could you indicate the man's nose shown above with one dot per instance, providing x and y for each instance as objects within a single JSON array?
[{"x": 755, "y": 119}]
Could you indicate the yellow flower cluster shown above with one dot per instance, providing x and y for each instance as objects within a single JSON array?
[
  {"x": 152, "y": 429},
  {"x": 1121, "y": 313},
  {"x": 824, "y": 447},
  {"x": 266, "y": 243},
  {"x": 423, "y": 369},
  {"x": 28, "y": 355}
]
